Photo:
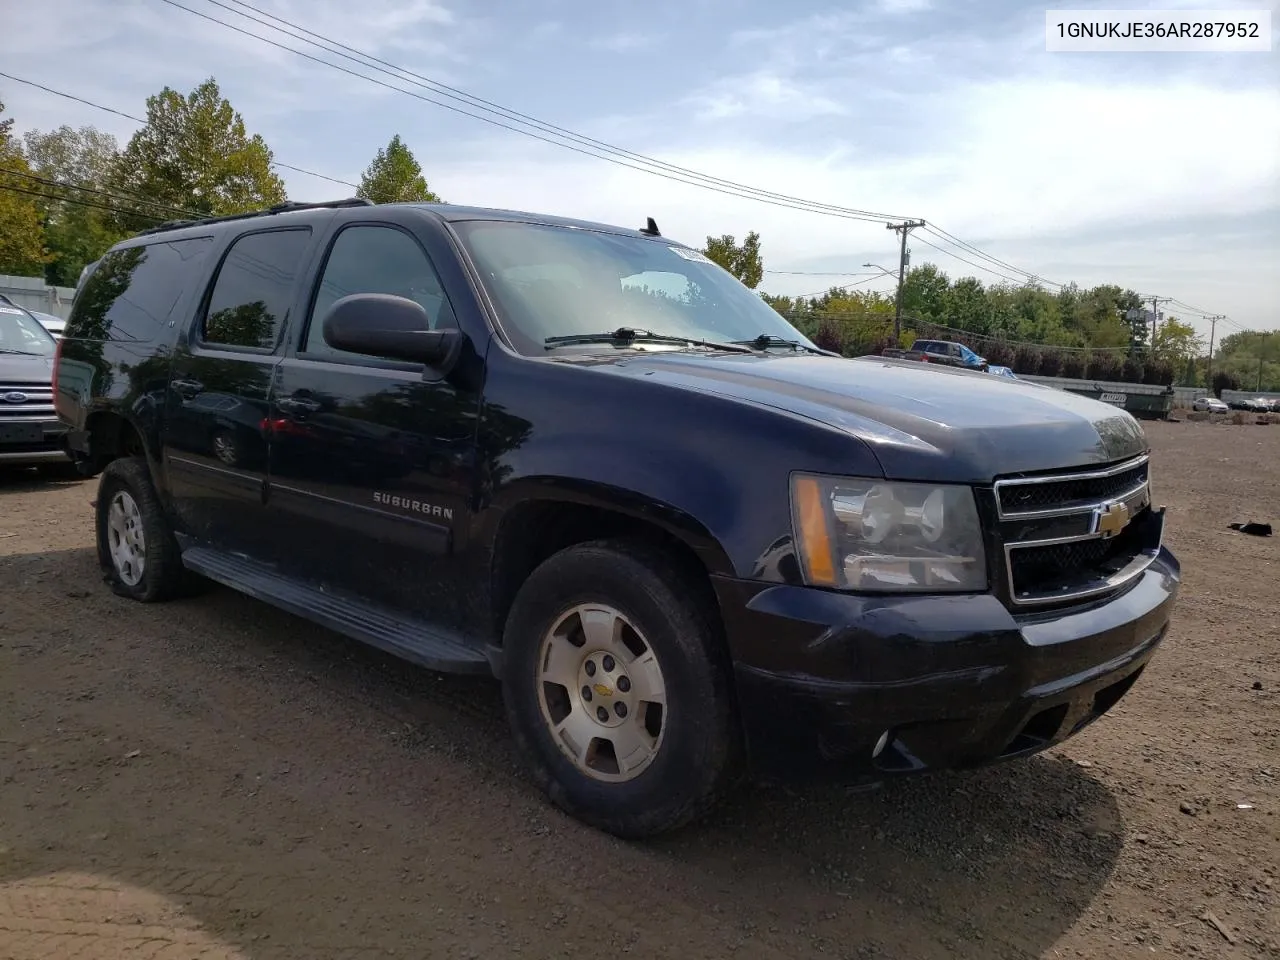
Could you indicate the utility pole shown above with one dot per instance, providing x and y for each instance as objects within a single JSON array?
[
  {"x": 1213, "y": 329},
  {"x": 1155, "y": 316},
  {"x": 903, "y": 228},
  {"x": 1262, "y": 342}
]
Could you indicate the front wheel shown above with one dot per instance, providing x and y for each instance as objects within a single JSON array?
[{"x": 617, "y": 689}]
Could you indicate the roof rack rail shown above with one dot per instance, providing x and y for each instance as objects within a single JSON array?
[{"x": 287, "y": 207}]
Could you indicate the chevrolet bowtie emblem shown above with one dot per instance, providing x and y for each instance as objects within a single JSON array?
[
  {"x": 1110, "y": 518},
  {"x": 603, "y": 691}
]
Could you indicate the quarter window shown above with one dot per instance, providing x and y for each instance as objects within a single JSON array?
[
  {"x": 254, "y": 289},
  {"x": 131, "y": 293},
  {"x": 375, "y": 259}
]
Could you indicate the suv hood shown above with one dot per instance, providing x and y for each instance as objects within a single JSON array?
[
  {"x": 923, "y": 422},
  {"x": 17, "y": 368}
]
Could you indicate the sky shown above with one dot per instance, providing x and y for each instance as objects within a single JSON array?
[{"x": 1156, "y": 172}]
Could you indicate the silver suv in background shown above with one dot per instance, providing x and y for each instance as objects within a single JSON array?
[{"x": 30, "y": 431}]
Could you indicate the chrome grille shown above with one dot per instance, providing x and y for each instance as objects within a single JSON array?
[
  {"x": 1061, "y": 536},
  {"x": 36, "y": 402},
  {"x": 1058, "y": 495}
]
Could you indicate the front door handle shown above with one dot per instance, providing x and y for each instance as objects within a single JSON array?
[{"x": 298, "y": 405}]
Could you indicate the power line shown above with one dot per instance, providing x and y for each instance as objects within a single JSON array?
[
  {"x": 846, "y": 286},
  {"x": 802, "y": 205},
  {"x": 129, "y": 116},
  {"x": 976, "y": 266},
  {"x": 819, "y": 273},
  {"x": 312, "y": 173},
  {"x": 82, "y": 203},
  {"x": 117, "y": 194},
  {"x": 951, "y": 238},
  {"x": 757, "y": 194},
  {"x": 400, "y": 73},
  {"x": 811, "y": 206},
  {"x": 403, "y": 74}
]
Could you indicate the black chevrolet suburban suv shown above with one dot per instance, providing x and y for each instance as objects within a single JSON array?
[{"x": 589, "y": 462}]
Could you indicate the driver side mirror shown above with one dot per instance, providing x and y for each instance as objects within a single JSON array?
[{"x": 389, "y": 327}]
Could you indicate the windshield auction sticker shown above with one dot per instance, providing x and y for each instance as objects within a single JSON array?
[{"x": 1157, "y": 31}]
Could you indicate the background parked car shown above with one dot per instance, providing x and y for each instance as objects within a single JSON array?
[
  {"x": 1209, "y": 405},
  {"x": 30, "y": 431},
  {"x": 53, "y": 324},
  {"x": 946, "y": 352}
]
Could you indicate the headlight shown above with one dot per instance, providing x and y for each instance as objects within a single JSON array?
[{"x": 874, "y": 535}]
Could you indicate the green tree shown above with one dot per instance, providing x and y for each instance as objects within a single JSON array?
[
  {"x": 22, "y": 243},
  {"x": 743, "y": 261},
  {"x": 924, "y": 293},
  {"x": 394, "y": 176},
  {"x": 1176, "y": 343},
  {"x": 194, "y": 155},
  {"x": 1099, "y": 315},
  {"x": 968, "y": 306},
  {"x": 77, "y": 229},
  {"x": 1252, "y": 357}
]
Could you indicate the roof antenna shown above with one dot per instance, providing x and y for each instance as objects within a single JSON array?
[{"x": 651, "y": 228}]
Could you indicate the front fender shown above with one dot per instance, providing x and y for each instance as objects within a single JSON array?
[
  {"x": 692, "y": 516},
  {"x": 713, "y": 470}
]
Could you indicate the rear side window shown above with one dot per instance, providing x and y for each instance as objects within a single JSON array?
[
  {"x": 131, "y": 292},
  {"x": 254, "y": 289}
]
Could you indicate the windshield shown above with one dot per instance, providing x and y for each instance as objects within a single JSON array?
[
  {"x": 553, "y": 281},
  {"x": 967, "y": 354},
  {"x": 22, "y": 333}
]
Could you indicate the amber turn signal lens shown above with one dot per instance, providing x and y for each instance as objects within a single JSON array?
[{"x": 815, "y": 537}]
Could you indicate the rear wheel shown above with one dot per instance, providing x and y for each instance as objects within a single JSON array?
[
  {"x": 136, "y": 549},
  {"x": 617, "y": 689}
]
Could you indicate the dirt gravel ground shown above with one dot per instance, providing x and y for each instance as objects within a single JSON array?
[{"x": 212, "y": 778}]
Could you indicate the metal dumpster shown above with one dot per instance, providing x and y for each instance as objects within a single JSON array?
[{"x": 1143, "y": 400}]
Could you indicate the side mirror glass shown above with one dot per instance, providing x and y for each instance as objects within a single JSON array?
[{"x": 389, "y": 327}]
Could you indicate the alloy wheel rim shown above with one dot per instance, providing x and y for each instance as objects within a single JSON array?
[
  {"x": 602, "y": 693},
  {"x": 125, "y": 538}
]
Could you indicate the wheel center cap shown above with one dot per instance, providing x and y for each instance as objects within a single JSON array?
[{"x": 604, "y": 689}]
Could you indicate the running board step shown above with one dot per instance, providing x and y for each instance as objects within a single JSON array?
[{"x": 409, "y": 639}]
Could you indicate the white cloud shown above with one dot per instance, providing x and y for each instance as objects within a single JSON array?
[
  {"x": 903, "y": 6},
  {"x": 762, "y": 96},
  {"x": 1027, "y": 171},
  {"x": 624, "y": 42}
]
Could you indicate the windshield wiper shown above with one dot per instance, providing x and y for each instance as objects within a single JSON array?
[
  {"x": 21, "y": 353},
  {"x": 765, "y": 341},
  {"x": 625, "y": 335}
]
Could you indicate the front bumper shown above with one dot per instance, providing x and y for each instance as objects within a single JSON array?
[
  {"x": 960, "y": 681},
  {"x": 24, "y": 442}
]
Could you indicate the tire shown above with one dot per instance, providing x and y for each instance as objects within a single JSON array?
[
  {"x": 159, "y": 574},
  {"x": 696, "y": 746}
]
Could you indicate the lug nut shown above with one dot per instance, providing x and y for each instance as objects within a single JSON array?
[
  {"x": 603, "y": 714},
  {"x": 591, "y": 668},
  {"x": 586, "y": 694},
  {"x": 608, "y": 663},
  {"x": 620, "y": 709},
  {"x": 624, "y": 684}
]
